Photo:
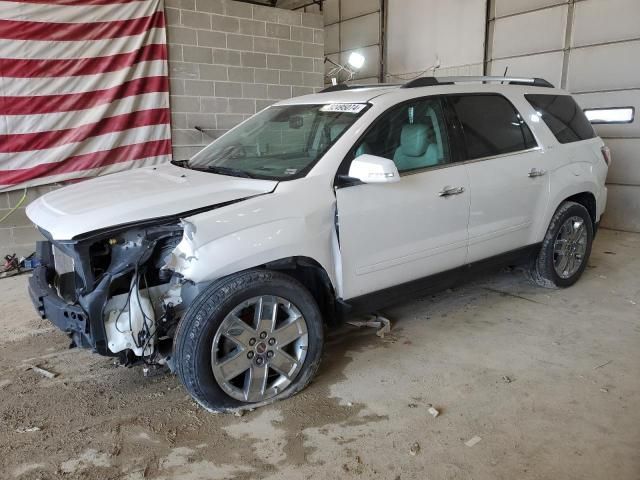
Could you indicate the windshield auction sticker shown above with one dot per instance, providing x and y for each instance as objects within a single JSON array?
[{"x": 344, "y": 107}]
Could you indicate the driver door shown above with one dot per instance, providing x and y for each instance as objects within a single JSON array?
[{"x": 398, "y": 232}]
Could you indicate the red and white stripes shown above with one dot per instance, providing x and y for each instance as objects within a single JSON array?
[{"x": 83, "y": 89}]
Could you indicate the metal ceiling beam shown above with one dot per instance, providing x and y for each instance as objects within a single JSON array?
[{"x": 266, "y": 3}]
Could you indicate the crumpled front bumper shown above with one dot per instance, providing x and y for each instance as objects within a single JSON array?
[{"x": 71, "y": 319}]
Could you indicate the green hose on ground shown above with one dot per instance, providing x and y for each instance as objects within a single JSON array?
[{"x": 24, "y": 197}]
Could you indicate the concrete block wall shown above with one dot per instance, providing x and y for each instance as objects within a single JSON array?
[
  {"x": 228, "y": 60},
  {"x": 17, "y": 233}
]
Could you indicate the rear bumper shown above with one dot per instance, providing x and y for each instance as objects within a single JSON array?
[{"x": 71, "y": 319}]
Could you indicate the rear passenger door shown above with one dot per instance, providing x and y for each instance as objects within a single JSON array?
[{"x": 508, "y": 175}]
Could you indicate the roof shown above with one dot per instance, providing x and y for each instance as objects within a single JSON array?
[
  {"x": 358, "y": 95},
  {"x": 425, "y": 86}
]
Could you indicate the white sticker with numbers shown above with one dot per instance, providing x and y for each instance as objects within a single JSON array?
[{"x": 344, "y": 107}]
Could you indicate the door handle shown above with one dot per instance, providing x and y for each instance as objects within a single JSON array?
[
  {"x": 536, "y": 173},
  {"x": 448, "y": 191}
]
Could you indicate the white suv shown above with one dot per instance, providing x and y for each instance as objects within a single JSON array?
[{"x": 228, "y": 268}]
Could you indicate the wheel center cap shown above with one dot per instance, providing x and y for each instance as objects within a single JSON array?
[{"x": 261, "y": 347}]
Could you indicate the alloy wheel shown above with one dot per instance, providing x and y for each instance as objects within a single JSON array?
[
  {"x": 259, "y": 348},
  {"x": 569, "y": 247}
]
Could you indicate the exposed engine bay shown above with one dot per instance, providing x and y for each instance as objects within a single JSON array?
[{"x": 117, "y": 292}]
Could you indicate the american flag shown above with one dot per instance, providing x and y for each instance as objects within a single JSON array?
[{"x": 83, "y": 89}]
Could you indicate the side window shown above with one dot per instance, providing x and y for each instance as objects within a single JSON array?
[
  {"x": 491, "y": 125},
  {"x": 563, "y": 116},
  {"x": 413, "y": 135}
]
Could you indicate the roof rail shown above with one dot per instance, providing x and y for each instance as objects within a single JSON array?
[
  {"x": 431, "y": 81},
  {"x": 425, "y": 82},
  {"x": 344, "y": 86}
]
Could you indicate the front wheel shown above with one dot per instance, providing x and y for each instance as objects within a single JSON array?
[
  {"x": 565, "y": 249},
  {"x": 247, "y": 340}
]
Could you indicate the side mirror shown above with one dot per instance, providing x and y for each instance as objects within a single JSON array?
[{"x": 372, "y": 169}]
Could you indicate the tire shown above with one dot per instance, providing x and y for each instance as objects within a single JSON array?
[
  {"x": 546, "y": 269},
  {"x": 209, "y": 321}
]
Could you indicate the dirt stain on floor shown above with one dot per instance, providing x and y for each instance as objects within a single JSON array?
[
  {"x": 97, "y": 420},
  {"x": 315, "y": 407}
]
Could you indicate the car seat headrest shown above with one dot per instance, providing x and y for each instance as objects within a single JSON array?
[{"x": 414, "y": 140}]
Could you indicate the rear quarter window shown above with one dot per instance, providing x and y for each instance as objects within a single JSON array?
[{"x": 563, "y": 116}]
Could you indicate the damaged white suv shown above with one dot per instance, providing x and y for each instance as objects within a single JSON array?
[{"x": 228, "y": 268}]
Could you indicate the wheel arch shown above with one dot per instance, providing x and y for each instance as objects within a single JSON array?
[
  {"x": 588, "y": 201},
  {"x": 582, "y": 193},
  {"x": 306, "y": 270},
  {"x": 314, "y": 277}
]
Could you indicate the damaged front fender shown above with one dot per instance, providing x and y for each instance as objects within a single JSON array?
[
  {"x": 181, "y": 258},
  {"x": 223, "y": 242}
]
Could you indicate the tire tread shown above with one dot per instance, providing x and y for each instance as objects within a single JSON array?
[
  {"x": 541, "y": 271},
  {"x": 207, "y": 305}
]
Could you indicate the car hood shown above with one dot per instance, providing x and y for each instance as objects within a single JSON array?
[{"x": 136, "y": 195}]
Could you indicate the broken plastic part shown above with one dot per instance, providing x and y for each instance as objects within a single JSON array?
[
  {"x": 180, "y": 258},
  {"x": 374, "y": 320},
  {"x": 189, "y": 229}
]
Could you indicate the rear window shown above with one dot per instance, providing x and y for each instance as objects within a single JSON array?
[
  {"x": 563, "y": 116},
  {"x": 491, "y": 125}
]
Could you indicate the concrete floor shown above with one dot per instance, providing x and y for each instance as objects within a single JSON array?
[{"x": 548, "y": 379}]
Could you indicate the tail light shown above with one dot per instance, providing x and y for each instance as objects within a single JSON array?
[{"x": 606, "y": 154}]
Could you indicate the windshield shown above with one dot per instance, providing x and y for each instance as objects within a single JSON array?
[{"x": 280, "y": 142}]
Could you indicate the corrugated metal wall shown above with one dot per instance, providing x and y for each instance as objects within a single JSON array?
[
  {"x": 422, "y": 32},
  {"x": 591, "y": 48},
  {"x": 353, "y": 25},
  {"x": 418, "y": 32}
]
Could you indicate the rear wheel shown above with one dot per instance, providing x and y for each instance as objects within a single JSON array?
[
  {"x": 248, "y": 340},
  {"x": 565, "y": 249}
]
